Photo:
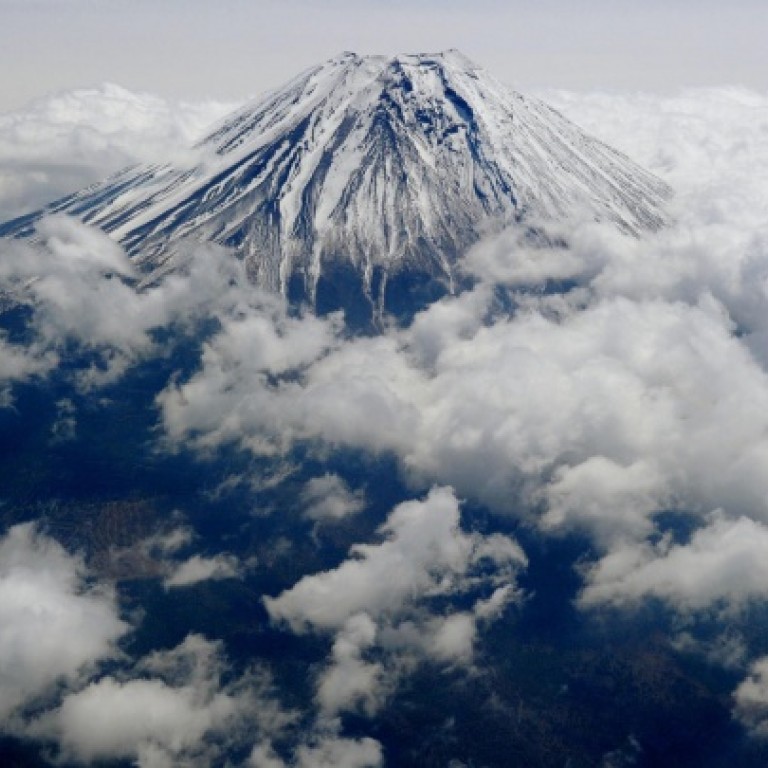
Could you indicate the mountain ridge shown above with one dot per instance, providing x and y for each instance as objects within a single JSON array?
[{"x": 370, "y": 172}]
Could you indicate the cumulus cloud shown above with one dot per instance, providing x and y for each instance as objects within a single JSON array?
[
  {"x": 329, "y": 498},
  {"x": 21, "y": 363},
  {"x": 424, "y": 554},
  {"x": 198, "y": 568},
  {"x": 182, "y": 706},
  {"x": 350, "y": 681},
  {"x": 607, "y": 414},
  {"x": 725, "y": 563},
  {"x": 751, "y": 699},
  {"x": 171, "y": 708},
  {"x": 727, "y": 648},
  {"x": 259, "y": 345},
  {"x": 112, "y": 720},
  {"x": 324, "y": 752},
  {"x": 379, "y": 600},
  {"x": 697, "y": 139},
  {"x": 69, "y": 281},
  {"x": 168, "y": 542},
  {"x": 68, "y": 140},
  {"x": 83, "y": 294},
  {"x": 54, "y": 623},
  {"x": 589, "y": 382},
  {"x": 178, "y": 706}
]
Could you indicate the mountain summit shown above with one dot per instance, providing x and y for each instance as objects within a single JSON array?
[{"x": 368, "y": 176}]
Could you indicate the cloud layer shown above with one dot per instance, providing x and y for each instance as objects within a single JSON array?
[
  {"x": 69, "y": 140},
  {"x": 638, "y": 387},
  {"x": 589, "y": 383}
]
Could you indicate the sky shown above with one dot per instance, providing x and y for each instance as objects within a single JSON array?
[{"x": 233, "y": 49}]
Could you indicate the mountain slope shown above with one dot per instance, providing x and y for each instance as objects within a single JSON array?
[{"x": 365, "y": 170}]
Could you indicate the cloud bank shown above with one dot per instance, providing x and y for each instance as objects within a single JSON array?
[
  {"x": 379, "y": 600},
  {"x": 68, "y": 140},
  {"x": 589, "y": 383},
  {"x": 637, "y": 385}
]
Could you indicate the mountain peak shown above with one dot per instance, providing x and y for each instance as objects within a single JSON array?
[
  {"x": 368, "y": 176},
  {"x": 451, "y": 57}
]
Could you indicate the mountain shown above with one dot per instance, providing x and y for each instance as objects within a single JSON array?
[{"x": 361, "y": 182}]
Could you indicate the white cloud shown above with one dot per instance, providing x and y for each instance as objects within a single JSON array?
[
  {"x": 514, "y": 257},
  {"x": 378, "y": 600},
  {"x": 329, "y": 498},
  {"x": 18, "y": 364},
  {"x": 69, "y": 140},
  {"x": 726, "y": 649},
  {"x": 349, "y": 681},
  {"x": 697, "y": 139},
  {"x": 724, "y": 564},
  {"x": 424, "y": 554},
  {"x": 751, "y": 699},
  {"x": 641, "y": 389},
  {"x": 171, "y": 709},
  {"x": 607, "y": 413},
  {"x": 452, "y": 637},
  {"x": 232, "y": 394},
  {"x": 325, "y": 751},
  {"x": 80, "y": 286},
  {"x": 168, "y": 542},
  {"x": 69, "y": 283},
  {"x": 54, "y": 624},
  {"x": 109, "y": 719},
  {"x": 198, "y": 568}
]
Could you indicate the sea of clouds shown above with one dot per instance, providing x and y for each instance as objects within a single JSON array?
[
  {"x": 71, "y": 139},
  {"x": 640, "y": 388}
]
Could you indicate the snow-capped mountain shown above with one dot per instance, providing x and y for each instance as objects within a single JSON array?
[{"x": 367, "y": 171}]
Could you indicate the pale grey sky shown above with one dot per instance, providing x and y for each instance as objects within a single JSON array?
[{"x": 229, "y": 49}]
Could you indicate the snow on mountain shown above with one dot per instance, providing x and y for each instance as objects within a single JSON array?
[{"x": 368, "y": 172}]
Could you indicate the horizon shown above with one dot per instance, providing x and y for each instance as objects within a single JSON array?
[{"x": 236, "y": 51}]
